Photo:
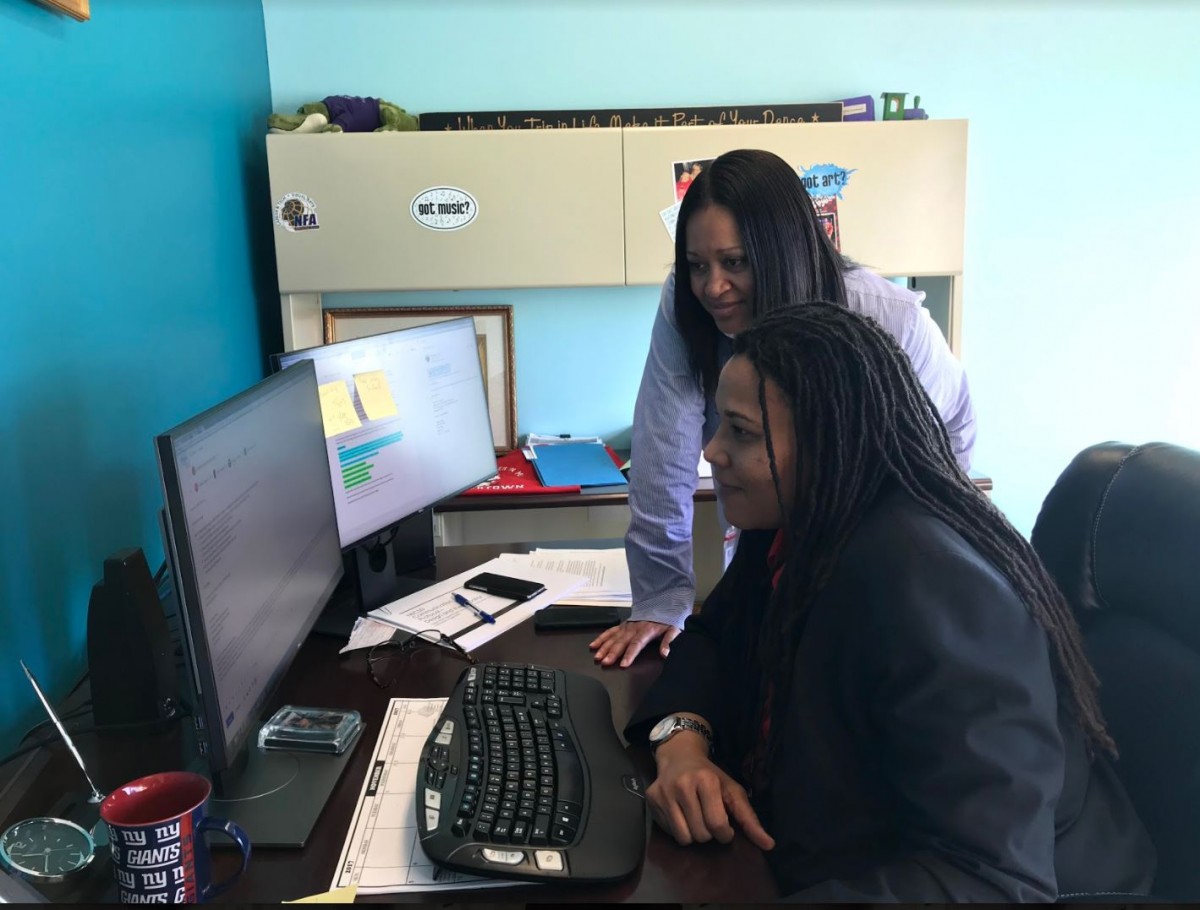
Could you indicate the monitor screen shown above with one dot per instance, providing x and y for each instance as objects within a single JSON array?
[
  {"x": 406, "y": 419},
  {"x": 251, "y": 536}
]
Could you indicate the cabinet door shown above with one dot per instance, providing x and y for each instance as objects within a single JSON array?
[
  {"x": 547, "y": 210},
  {"x": 900, "y": 212}
]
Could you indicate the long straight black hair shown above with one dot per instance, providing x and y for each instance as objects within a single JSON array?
[
  {"x": 863, "y": 420},
  {"x": 791, "y": 258}
]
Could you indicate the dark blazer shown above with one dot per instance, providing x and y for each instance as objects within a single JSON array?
[{"x": 925, "y": 756}]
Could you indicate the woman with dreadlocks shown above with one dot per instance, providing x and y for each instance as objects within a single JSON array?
[
  {"x": 747, "y": 240},
  {"x": 885, "y": 691}
]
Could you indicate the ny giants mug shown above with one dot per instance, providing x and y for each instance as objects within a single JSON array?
[{"x": 156, "y": 830}]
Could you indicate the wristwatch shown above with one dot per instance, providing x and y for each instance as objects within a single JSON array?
[{"x": 674, "y": 723}]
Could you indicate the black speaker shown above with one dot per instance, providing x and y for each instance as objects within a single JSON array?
[{"x": 130, "y": 659}]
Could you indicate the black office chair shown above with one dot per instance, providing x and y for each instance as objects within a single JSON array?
[{"x": 1120, "y": 534}]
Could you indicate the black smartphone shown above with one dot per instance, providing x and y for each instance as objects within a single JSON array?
[
  {"x": 568, "y": 617},
  {"x": 504, "y": 586}
]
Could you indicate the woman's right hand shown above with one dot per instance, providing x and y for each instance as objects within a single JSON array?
[
  {"x": 624, "y": 642},
  {"x": 694, "y": 801}
]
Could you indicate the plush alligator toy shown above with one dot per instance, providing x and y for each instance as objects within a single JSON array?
[{"x": 344, "y": 114}]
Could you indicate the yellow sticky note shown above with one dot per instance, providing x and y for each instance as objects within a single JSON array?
[
  {"x": 336, "y": 896},
  {"x": 337, "y": 410},
  {"x": 374, "y": 394}
]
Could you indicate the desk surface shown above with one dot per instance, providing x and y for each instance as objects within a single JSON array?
[{"x": 319, "y": 676}]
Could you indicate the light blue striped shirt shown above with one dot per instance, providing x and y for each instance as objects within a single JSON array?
[{"x": 672, "y": 422}]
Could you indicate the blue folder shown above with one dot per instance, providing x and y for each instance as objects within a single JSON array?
[{"x": 581, "y": 464}]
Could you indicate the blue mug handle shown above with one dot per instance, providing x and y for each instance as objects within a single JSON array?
[{"x": 231, "y": 830}]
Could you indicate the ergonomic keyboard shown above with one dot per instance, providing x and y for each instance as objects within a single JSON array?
[{"x": 524, "y": 777}]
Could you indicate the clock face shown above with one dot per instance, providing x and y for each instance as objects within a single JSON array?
[{"x": 46, "y": 849}]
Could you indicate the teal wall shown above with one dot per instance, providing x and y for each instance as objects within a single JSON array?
[
  {"x": 130, "y": 160},
  {"x": 1082, "y": 210}
]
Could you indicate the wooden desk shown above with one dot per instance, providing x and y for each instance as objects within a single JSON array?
[{"x": 670, "y": 873}]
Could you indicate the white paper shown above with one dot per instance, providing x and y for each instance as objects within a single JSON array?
[
  {"x": 382, "y": 853},
  {"x": 367, "y": 633},
  {"x": 538, "y": 439},
  {"x": 669, "y": 216},
  {"x": 607, "y": 571},
  {"x": 435, "y": 608},
  {"x": 703, "y": 469}
]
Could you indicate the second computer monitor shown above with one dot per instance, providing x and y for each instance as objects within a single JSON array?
[
  {"x": 251, "y": 538},
  {"x": 407, "y": 422}
]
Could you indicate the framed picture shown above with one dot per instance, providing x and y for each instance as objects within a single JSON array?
[
  {"x": 493, "y": 335},
  {"x": 78, "y": 9}
]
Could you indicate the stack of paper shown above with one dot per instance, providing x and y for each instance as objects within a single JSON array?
[
  {"x": 435, "y": 608},
  {"x": 541, "y": 439},
  {"x": 606, "y": 571}
]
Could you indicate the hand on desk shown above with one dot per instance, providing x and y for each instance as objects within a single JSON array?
[
  {"x": 625, "y": 642},
  {"x": 694, "y": 801}
]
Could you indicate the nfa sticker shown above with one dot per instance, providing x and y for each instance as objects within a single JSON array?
[
  {"x": 296, "y": 212},
  {"x": 444, "y": 208}
]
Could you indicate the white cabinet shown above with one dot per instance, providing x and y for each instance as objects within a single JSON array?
[
  {"x": 576, "y": 207},
  {"x": 548, "y": 210}
]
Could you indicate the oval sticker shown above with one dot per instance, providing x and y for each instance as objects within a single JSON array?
[{"x": 444, "y": 208}]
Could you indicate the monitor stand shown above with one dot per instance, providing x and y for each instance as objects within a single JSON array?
[
  {"x": 276, "y": 796},
  {"x": 379, "y": 573}
]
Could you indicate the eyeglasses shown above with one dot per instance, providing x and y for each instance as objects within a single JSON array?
[{"x": 386, "y": 650}]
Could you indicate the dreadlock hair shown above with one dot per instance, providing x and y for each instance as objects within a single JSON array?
[
  {"x": 865, "y": 420},
  {"x": 789, "y": 254}
]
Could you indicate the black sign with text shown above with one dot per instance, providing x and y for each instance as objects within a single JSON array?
[{"x": 734, "y": 115}]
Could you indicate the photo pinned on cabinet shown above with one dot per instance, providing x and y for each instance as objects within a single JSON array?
[{"x": 687, "y": 171}]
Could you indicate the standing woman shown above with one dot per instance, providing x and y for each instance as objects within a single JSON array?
[{"x": 747, "y": 241}]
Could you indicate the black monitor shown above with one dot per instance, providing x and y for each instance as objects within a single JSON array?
[
  {"x": 408, "y": 426},
  {"x": 251, "y": 538}
]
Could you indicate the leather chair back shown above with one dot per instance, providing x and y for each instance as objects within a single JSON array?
[{"x": 1120, "y": 534}]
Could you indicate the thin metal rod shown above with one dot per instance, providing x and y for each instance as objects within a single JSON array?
[{"x": 97, "y": 796}]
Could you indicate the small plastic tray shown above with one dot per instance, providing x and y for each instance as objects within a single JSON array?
[{"x": 310, "y": 729}]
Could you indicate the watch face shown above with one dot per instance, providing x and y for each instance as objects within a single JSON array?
[
  {"x": 46, "y": 849},
  {"x": 662, "y": 728}
]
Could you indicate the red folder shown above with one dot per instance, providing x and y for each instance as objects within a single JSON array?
[{"x": 517, "y": 477}]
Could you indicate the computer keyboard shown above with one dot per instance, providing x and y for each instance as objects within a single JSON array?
[{"x": 524, "y": 777}]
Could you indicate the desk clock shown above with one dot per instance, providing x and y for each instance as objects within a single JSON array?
[{"x": 46, "y": 850}]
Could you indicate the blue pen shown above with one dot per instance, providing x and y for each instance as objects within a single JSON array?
[{"x": 486, "y": 617}]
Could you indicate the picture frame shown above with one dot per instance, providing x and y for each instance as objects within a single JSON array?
[
  {"x": 76, "y": 9},
  {"x": 494, "y": 336}
]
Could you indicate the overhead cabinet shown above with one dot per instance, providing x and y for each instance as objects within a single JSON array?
[
  {"x": 449, "y": 210},
  {"x": 575, "y": 207}
]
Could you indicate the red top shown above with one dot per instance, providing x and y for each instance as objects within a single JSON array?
[{"x": 753, "y": 763}]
